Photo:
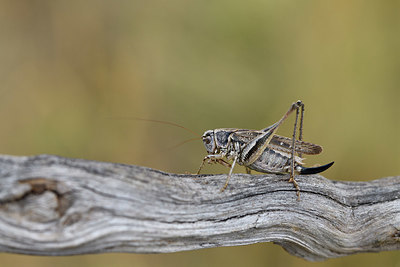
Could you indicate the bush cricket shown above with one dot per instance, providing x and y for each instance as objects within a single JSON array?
[{"x": 262, "y": 150}]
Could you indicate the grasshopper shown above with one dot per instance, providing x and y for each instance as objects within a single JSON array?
[{"x": 262, "y": 150}]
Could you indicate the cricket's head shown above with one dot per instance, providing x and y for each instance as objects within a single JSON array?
[
  {"x": 217, "y": 139},
  {"x": 209, "y": 141}
]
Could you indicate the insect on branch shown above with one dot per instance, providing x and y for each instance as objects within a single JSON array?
[{"x": 262, "y": 150}]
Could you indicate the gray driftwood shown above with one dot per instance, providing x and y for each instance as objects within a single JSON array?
[{"x": 51, "y": 205}]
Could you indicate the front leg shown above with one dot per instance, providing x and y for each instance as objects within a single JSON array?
[
  {"x": 224, "y": 163},
  {"x": 217, "y": 158}
]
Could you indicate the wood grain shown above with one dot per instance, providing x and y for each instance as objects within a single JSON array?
[{"x": 51, "y": 205}]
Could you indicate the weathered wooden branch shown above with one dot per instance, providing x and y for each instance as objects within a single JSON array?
[{"x": 51, "y": 205}]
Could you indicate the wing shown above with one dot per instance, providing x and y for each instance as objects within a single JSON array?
[
  {"x": 284, "y": 144},
  {"x": 279, "y": 143}
]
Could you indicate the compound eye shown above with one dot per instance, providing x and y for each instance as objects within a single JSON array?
[{"x": 207, "y": 140}]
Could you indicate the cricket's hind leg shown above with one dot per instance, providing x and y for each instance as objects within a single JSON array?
[
  {"x": 292, "y": 180},
  {"x": 299, "y": 106},
  {"x": 306, "y": 170}
]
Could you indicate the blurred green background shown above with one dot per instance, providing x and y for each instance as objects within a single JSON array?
[{"x": 71, "y": 71}]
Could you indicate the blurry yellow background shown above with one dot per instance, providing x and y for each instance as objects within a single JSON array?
[{"x": 70, "y": 70}]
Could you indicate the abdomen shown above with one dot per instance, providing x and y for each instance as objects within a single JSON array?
[{"x": 272, "y": 161}]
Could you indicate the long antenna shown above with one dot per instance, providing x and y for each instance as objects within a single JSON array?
[
  {"x": 159, "y": 121},
  {"x": 183, "y": 142}
]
